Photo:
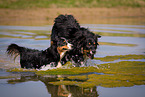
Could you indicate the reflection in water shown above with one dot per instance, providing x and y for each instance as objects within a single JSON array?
[
  {"x": 55, "y": 90},
  {"x": 38, "y": 38}
]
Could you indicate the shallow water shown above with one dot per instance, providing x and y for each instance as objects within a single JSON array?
[
  {"x": 117, "y": 28},
  {"x": 35, "y": 86},
  {"x": 31, "y": 85}
]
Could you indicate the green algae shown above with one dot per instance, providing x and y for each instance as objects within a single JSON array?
[
  {"x": 121, "y": 74},
  {"x": 60, "y": 78},
  {"x": 21, "y": 70},
  {"x": 121, "y": 57},
  {"x": 21, "y": 37},
  {"x": 32, "y": 34},
  {"x": 116, "y": 80},
  {"x": 82, "y": 77},
  {"x": 59, "y": 71},
  {"x": 40, "y": 32},
  {"x": 120, "y": 34},
  {"x": 36, "y": 4},
  {"x": 70, "y": 71},
  {"x": 9, "y": 36},
  {"x": 56, "y": 72},
  {"x": 7, "y": 77},
  {"x": 106, "y": 81},
  {"x": 124, "y": 67},
  {"x": 117, "y": 44}
]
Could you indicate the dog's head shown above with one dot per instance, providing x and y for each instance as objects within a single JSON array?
[
  {"x": 62, "y": 46},
  {"x": 65, "y": 26},
  {"x": 90, "y": 48},
  {"x": 90, "y": 44}
]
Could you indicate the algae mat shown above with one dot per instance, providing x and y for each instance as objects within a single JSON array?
[{"x": 121, "y": 74}]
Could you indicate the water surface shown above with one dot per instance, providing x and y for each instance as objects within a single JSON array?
[{"x": 31, "y": 85}]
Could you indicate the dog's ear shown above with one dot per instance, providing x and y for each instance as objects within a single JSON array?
[{"x": 98, "y": 36}]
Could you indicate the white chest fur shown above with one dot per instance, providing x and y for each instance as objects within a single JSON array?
[
  {"x": 59, "y": 65},
  {"x": 61, "y": 55}
]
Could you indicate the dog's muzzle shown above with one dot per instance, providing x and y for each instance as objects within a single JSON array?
[
  {"x": 69, "y": 46},
  {"x": 91, "y": 54}
]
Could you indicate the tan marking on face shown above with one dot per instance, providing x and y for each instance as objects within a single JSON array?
[
  {"x": 86, "y": 51},
  {"x": 61, "y": 51}
]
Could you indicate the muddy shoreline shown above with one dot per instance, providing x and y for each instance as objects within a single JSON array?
[{"x": 46, "y": 16}]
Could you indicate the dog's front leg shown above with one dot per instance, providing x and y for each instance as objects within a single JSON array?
[
  {"x": 44, "y": 68},
  {"x": 59, "y": 65}
]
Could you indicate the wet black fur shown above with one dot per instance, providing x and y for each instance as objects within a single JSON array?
[
  {"x": 31, "y": 58},
  {"x": 85, "y": 42},
  {"x": 67, "y": 26},
  {"x": 64, "y": 26},
  {"x": 91, "y": 42}
]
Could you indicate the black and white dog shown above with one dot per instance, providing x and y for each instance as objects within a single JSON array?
[{"x": 31, "y": 58}]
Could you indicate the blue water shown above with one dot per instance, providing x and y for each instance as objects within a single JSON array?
[{"x": 31, "y": 85}]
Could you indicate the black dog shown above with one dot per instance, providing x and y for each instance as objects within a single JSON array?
[
  {"x": 90, "y": 44},
  {"x": 65, "y": 26},
  {"x": 84, "y": 46},
  {"x": 31, "y": 58},
  {"x": 84, "y": 42}
]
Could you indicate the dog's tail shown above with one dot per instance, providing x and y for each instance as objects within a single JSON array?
[{"x": 14, "y": 50}]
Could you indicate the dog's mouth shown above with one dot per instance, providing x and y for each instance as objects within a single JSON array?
[{"x": 91, "y": 54}]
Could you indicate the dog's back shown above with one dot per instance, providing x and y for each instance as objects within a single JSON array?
[
  {"x": 31, "y": 58},
  {"x": 28, "y": 57}
]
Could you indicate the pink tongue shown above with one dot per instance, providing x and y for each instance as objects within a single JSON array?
[{"x": 90, "y": 56}]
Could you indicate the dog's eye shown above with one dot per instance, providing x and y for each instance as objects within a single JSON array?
[
  {"x": 64, "y": 41},
  {"x": 89, "y": 43},
  {"x": 94, "y": 43}
]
